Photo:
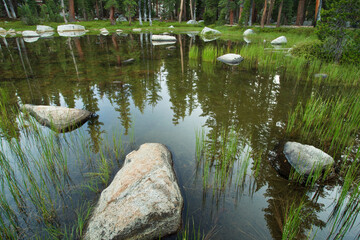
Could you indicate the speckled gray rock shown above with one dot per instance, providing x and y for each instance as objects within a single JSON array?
[
  {"x": 142, "y": 202},
  {"x": 231, "y": 59},
  {"x": 279, "y": 40},
  {"x": 306, "y": 157},
  {"x": 58, "y": 118}
]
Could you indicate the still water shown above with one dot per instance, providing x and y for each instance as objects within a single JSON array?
[{"x": 163, "y": 96}]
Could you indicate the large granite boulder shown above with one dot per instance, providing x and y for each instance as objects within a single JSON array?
[
  {"x": 211, "y": 31},
  {"x": 248, "y": 32},
  {"x": 163, "y": 38},
  {"x": 70, "y": 28},
  {"x": 43, "y": 29},
  {"x": 279, "y": 40},
  {"x": 305, "y": 158},
  {"x": 142, "y": 202},
  {"x": 231, "y": 59},
  {"x": 58, "y": 118}
]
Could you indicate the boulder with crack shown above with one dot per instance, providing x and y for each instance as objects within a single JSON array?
[{"x": 142, "y": 202}]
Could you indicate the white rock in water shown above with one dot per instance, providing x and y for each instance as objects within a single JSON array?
[
  {"x": 59, "y": 118},
  {"x": 158, "y": 43},
  {"x": 46, "y": 34},
  {"x": 306, "y": 157},
  {"x": 119, "y": 31},
  {"x": 70, "y": 28},
  {"x": 30, "y": 39},
  {"x": 104, "y": 31},
  {"x": 11, "y": 31},
  {"x": 279, "y": 40},
  {"x": 142, "y": 202},
  {"x": 2, "y": 30},
  {"x": 207, "y": 30},
  {"x": 231, "y": 59},
  {"x": 137, "y": 30},
  {"x": 191, "y": 22},
  {"x": 248, "y": 32},
  {"x": 30, "y": 34},
  {"x": 171, "y": 26},
  {"x": 72, "y": 34},
  {"x": 43, "y": 28},
  {"x": 163, "y": 38}
]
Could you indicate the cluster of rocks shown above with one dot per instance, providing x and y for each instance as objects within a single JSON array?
[{"x": 142, "y": 202}]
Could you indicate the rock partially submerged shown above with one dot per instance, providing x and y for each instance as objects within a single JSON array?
[
  {"x": 305, "y": 158},
  {"x": 142, "y": 202},
  {"x": 61, "y": 119},
  {"x": 104, "y": 31},
  {"x": 279, "y": 40},
  {"x": 137, "y": 30},
  {"x": 72, "y": 34},
  {"x": 163, "y": 38},
  {"x": 70, "y": 28},
  {"x": 30, "y": 34},
  {"x": 2, "y": 30},
  {"x": 248, "y": 32},
  {"x": 231, "y": 59},
  {"x": 211, "y": 31},
  {"x": 42, "y": 29}
]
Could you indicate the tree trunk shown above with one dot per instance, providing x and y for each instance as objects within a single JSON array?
[
  {"x": 71, "y": 11},
  {"x": 240, "y": 12},
  {"x": 195, "y": 10},
  {"x": 157, "y": 8},
  {"x": 7, "y": 9},
  {"x": 11, "y": 6},
  {"x": 191, "y": 10},
  {"x": 145, "y": 11},
  {"x": 139, "y": 4},
  {"x": 96, "y": 9},
  {"x": 279, "y": 14},
  {"x": 264, "y": 15},
  {"x": 231, "y": 15},
  {"x": 149, "y": 4},
  {"x": 317, "y": 11},
  {"x": 300, "y": 13},
  {"x": 251, "y": 11},
  {"x": 63, "y": 10},
  {"x": 270, "y": 12},
  {"x": 129, "y": 11},
  {"x": 181, "y": 10},
  {"x": 112, "y": 13}
]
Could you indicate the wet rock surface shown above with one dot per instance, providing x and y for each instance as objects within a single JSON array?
[
  {"x": 142, "y": 202},
  {"x": 304, "y": 158},
  {"x": 58, "y": 118}
]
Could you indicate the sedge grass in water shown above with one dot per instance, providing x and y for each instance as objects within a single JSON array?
[{"x": 36, "y": 184}]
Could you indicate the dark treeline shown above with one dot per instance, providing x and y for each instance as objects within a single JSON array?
[{"x": 243, "y": 12}]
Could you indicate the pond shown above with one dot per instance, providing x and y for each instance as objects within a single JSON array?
[{"x": 163, "y": 96}]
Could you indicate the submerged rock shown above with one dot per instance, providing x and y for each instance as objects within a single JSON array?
[
  {"x": 279, "y": 40},
  {"x": 61, "y": 119},
  {"x": 248, "y": 32},
  {"x": 207, "y": 30},
  {"x": 142, "y": 202},
  {"x": 304, "y": 158},
  {"x": 231, "y": 59},
  {"x": 163, "y": 38}
]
